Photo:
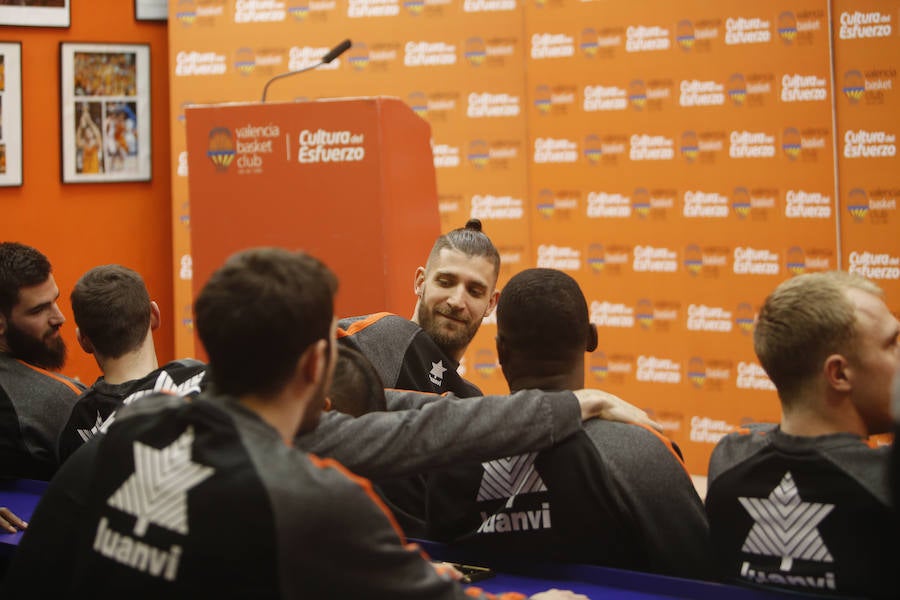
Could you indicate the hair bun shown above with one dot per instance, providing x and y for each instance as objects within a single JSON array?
[{"x": 473, "y": 224}]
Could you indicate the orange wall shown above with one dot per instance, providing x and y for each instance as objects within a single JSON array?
[{"x": 79, "y": 226}]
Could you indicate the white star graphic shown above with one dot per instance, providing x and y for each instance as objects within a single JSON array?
[
  {"x": 436, "y": 375},
  {"x": 157, "y": 491}
]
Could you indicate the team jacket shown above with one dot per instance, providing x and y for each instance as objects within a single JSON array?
[
  {"x": 102, "y": 400},
  {"x": 404, "y": 355},
  {"x": 204, "y": 500},
  {"x": 613, "y": 494},
  {"x": 812, "y": 514},
  {"x": 34, "y": 406},
  {"x": 405, "y": 358}
]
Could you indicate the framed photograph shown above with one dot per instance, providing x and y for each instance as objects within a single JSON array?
[
  {"x": 36, "y": 13},
  {"x": 150, "y": 10},
  {"x": 10, "y": 113},
  {"x": 105, "y": 109}
]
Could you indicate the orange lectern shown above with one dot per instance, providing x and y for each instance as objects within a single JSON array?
[{"x": 350, "y": 181}]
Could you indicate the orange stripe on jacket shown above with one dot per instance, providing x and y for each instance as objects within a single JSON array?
[
  {"x": 358, "y": 326},
  {"x": 666, "y": 442},
  {"x": 58, "y": 378},
  {"x": 365, "y": 484}
]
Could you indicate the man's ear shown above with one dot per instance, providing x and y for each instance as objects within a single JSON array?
[
  {"x": 492, "y": 303},
  {"x": 838, "y": 373},
  {"x": 313, "y": 362},
  {"x": 154, "y": 316},
  {"x": 592, "y": 338},
  {"x": 83, "y": 341},
  {"x": 419, "y": 281}
]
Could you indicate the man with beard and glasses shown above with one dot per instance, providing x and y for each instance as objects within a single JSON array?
[
  {"x": 35, "y": 400},
  {"x": 456, "y": 290}
]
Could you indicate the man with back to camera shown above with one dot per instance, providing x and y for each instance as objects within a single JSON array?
[
  {"x": 804, "y": 504},
  {"x": 614, "y": 494},
  {"x": 149, "y": 508},
  {"x": 35, "y": 400},
  {"x": 115, "y": 320}
]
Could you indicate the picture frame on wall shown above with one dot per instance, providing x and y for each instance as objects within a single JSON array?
[
  {"x": 105, "y": 112},
  {"x": 10, "y": 113},
  {"x": 35, "y": 13},
  {"x": 151, "y": 10}
]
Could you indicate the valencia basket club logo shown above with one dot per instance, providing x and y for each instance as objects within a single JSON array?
[
  {"x": 693, "y": 259},
  {"x": 542, "y": 99},
  {"x": 737, "y": 89},
  {"x": 790, "y": 143},
  {"x": 479, "y": 154},
  {"x": 637, "y": 94},
  {"x": 787, "y": 27},
  {"x": 596, "y": 258},
  {"x": 690, "y": 147},
  {"x": 414, "y": 7},
  {"x": 744, "y": 317},
  {"x": 644, "y": 313},
  {"x": 244, "y": 61},
  {"x": 640, "y": 202},
  {"x": 854, "y": 86},
  {"x": 545, "y": 204},
  {"x": 684, "y": 34},
  {"x": 485, "y": 363},
  {"x": 796, "y": 261},
  {"x": 220, "y": 148},
  {"x": 358, "y": 57},
  {"x": 599, "y": 365},
  {"x": 186, "y": 13},
  {"x": 588, "y": 42},
  {"x": 697, "y": 372},
  {"x": 593, "y": 148},
  {"x": 740, "y": 202},
  {"x": 475, "y": 51},
  {"x": 858, "y": 204},
  {"x": 298, "y": 9},
  {"x": 419, "y": 103}
]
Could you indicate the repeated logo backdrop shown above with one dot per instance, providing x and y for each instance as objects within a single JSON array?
[{"x": 678, "y": 159}]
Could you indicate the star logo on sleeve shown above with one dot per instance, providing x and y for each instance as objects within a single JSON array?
[
  {"x": 436, "y": 375},
  {"x": 157, "y": 490}
]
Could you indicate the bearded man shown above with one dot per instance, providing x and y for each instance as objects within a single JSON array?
[{"x": 35, "y": 400}]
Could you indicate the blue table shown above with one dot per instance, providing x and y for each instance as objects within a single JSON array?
[
  {"x": 598, "y": 582},
  {"x": 20, "y": 496}
]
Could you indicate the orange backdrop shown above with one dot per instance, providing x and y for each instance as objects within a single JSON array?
[{"x": 678, "y": 159}]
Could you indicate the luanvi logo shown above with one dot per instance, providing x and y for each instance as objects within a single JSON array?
[
  {"x": 155, "y": 493},
  {"x": 786, "y": 527},
  {"x": 509, "y": 477}
]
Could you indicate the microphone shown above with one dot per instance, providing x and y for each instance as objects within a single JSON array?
[{"x": 329, "y": 56}]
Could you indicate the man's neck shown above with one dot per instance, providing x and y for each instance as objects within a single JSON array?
[
  {"x": 812, "y": 417},
  {"x": 552, "y": 383},
  {"x": 130, "y": 366}
]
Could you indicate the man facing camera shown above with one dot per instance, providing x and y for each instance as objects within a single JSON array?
[
  {"x": 805, "y": 504},
  {"x": 208, "y": 498},
  {"x": 614, "y": 494}
]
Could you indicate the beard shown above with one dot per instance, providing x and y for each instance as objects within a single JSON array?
[
  {"x": 47, "y": 353},
  {"x": 452, "y": 341}
]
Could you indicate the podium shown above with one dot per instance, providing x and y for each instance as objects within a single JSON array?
[{"x": 350, "y": 181}]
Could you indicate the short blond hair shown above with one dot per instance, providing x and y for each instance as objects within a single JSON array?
[{"x": 802, "y": 322}]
